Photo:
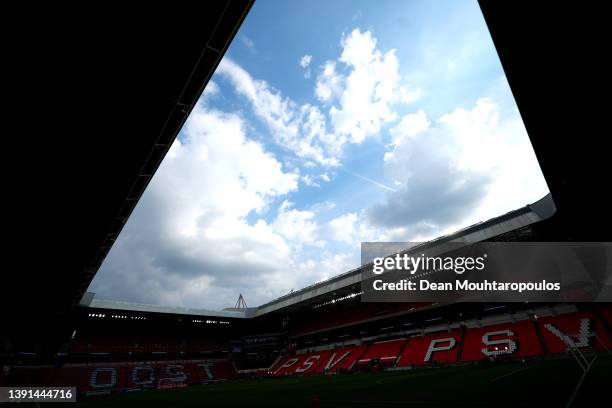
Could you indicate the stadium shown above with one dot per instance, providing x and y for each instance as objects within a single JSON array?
[{"x": 321, "y": 345}]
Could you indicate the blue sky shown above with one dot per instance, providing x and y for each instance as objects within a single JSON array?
[{"x": 325, "y": 125}]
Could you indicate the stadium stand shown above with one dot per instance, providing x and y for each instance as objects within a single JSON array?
[
  {"x": 475, "y": 341},
  {"x": 286, "y": 365},
  {"x": 438, "y": 347},
  {"x": 385, "y": 352},
  {"x": 113, "y": 344},
  {"x": 359, "y": 313},
  {"x": 494, "y": 338},
  {"x": 342, "y": 359},
  {"x": 519, "y": 334},
  {"x": 300, "y": 364},
  {"x": 575, "y": 330},
  {"x": 440, "y": 336},
  {"x": 310, "y": 362},
  {"x": 124, "y": 375},
  {"x": 145, "y": 337},
  {"x": 507, "y": 339},
  {"x": 332, "y": 360}
]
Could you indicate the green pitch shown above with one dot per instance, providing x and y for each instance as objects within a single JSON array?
[{"x": 534, "y": 383}]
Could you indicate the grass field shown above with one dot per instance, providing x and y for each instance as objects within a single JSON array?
[{"x": 534, "y": 383}]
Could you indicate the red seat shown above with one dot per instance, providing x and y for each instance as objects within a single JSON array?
[
  {"x": 384, "y": 351},
  {"x": 506, "y": 339},
  {"x": 579, "y": 329},
  {"x": 440, "y": 347}
]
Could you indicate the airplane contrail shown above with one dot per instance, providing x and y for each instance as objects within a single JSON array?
[{"x": 369, "y": 180}]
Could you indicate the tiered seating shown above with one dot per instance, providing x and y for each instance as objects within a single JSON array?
[
  {"x": 117, "y": 376},
  {"x": 309, "y": 362},
  {"x": 342, "y": 359},
  {"x": 511, "y": 340},
  {"x": 301, "y": 363},
  {"x": 384, "y": 351},
  {"x": 339, "y": 359},
  {"x": 80, "y": 377},
  {"x": 209, "y": 371},
  {"x": 573, "y": 330},
  {"x": 286, "y": 365},
  {"x": 506, "y": 339},
  {"x": 330, "y": 318},
  {"x": 118, "y": 344},
  {"x": 440, "y": 347},
  {"x": 223, "y": 370}
]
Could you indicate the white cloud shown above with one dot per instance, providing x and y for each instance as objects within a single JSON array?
[
  {"x": 305, "y": 64},
  {"x": 189, "y": 241},
  {"x": 335, "y": 264},
  {"x": 365, "y": 96},
  {"x": 471, "y": 165},
  {"x": 343, "y": 228},
  {"x": 302, "y": 129},
  {"x": 247, "y": 42},
  {"x": 309, "y": 180},
  {"x": 409, "y": 126},
  {"x": 212, "y": 88},
  {"x": 360, "y": 102},
  {"x": 305, "y": 61},
  {"x": 352, "y": 228},
  {"x": 296, "y": 225},
  {"x": 488, "y": 142},
  {"x": 330, "y": 84},
  {"x": 408, "y": 96}
]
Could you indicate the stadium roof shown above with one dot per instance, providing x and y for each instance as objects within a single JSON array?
[{"x": 91, "y": 302}]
